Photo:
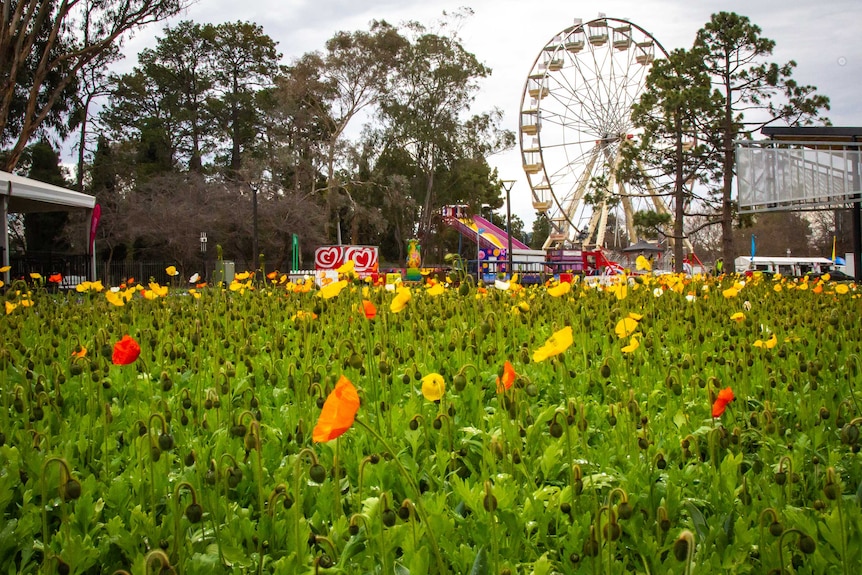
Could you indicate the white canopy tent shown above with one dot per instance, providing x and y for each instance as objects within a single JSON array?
[{"x": 23, "y": 195}]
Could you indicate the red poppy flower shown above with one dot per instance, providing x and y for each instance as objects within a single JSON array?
[
  {"x": 339, "y": 412},
  {"x": 508, "y": 378},
  {"x": 55, "y": 278},
  {"x": 725, "y": 396},
  {"x": 368, "y": 309},
  {"x": 126, "y": 351}
]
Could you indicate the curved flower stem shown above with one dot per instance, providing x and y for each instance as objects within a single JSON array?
[
  {"x": 420, "y": 509},
  {"x": 178, "y": 515},
  {"x": 297, "y": 494},
  {"x": 164, "y": 563},
  {"x": 64, "y": 474},
  {"x": 768, "y": 511},
  {"x": 799, "y": 534}
]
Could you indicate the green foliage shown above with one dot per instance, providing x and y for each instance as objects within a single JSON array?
[
  {"x": 594, "y": 460},
  {"x": 734, "y": 53},
  {"x": 43, "y": 231}
]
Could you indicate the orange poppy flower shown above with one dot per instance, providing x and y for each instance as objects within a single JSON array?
[
  {"x": 339, "y": 412},
  {"x": 126, "y": 351},
  {"x": 79, "y": 352},
  {"x": 509, "y": 375},
  {"x": 725, "y": 396},
  {"x": 368, "y": 309},
  {"x": 55, "y": 278}
]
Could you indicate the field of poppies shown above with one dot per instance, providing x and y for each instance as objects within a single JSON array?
[{"x": 657, "y": 424}]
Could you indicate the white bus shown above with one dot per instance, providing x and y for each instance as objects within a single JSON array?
[{"x": 784, "y": 265}]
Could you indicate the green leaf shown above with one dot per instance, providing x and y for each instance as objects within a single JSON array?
[
  {"x": 680, "y": 420},
  {"x": 700, "y": 526},
  {"x": 480, "y": 564},
  {"x": 542, "y": 566}
]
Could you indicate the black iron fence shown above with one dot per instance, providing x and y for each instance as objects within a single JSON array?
[{"x": 76, "y": 268}]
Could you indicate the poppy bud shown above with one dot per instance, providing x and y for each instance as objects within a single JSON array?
[
  {"x": 317, "y": 473},
  {"x": 776, "y": 529},
  {"x": 166, "y": 442},
  {"x": 807, "y": 544},
  {"x": 625, "y": 510},
  {"x": 388, "y": 517},
  {"x": 155, "y": 452},
  {"x": 605, "y": 370},
  {"x": 459, "y": 381},
  {"x": 71, "y": 489},
  {"x": 234, "y": 477},
  {"x": 555, "y": 429},
  {"x": 189, "y": 459},
  {"x": 681, "y": 546},
  {"x": 591, "y": 547},
  {"x": 194, "y": 513},
  {"x": 489, "y": 502}
]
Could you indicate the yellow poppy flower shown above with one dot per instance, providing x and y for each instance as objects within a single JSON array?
[
  {"x": 10, "y": 307},
  {"x": 160, "y": 291},
  {"x": 5, "y": 269},
  {"x": 730, "y": 292},
  {"x": 348, "y": 268},
  {"x": 399, "y": 302},
  {"x": 35, "y": 276},
  {"x": 625, "y": 327},
  {"x": 841, "y": 289},
  {"x": 620, "y": 289},
  {"x": 556, "y": 344},
  {"x": 26, "y": 303},
  {"x": 436, "y": 289},
  {"x": 149, "y": 294},
  {"x": 332, "y": 290},
  {"x": 242, "y": 276},
  {"x": 433, "y": 387},
  {"x": 172, "y": 271},
  {"x": 635, "y": 316},
  {"x": 768, "y": 344},
  {"x": 633, "y": 345},
  {"x": 115, "y": 298},
  {"x": 643, "y": 264},
  {"x": 195, "y": 293},
  {"x": 826, "y": 277},
  {"x": 560, "y": 289},
  {"x": 776, "y": 288},
  {"x": 738, "y": 316}
]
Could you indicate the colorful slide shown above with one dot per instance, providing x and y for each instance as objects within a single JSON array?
[{"x": 490, "y": 236}]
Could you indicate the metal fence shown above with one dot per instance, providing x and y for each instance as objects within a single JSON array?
[{"x": 774, "y": 176}]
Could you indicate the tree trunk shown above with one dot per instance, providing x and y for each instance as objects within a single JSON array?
[
  {"x": 727, "y": 248},
  {"x": 679, "y": 200}
]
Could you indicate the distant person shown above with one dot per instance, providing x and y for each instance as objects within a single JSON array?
[{"x": 719, "y": 266}]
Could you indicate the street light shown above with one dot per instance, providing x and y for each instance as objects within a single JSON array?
[{"x": 507, "y": 185}]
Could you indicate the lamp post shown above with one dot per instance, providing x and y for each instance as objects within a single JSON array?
[{"x": 507, "y": 185}]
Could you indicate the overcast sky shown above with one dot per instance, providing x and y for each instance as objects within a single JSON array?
[{"x": 507, "y": 35}]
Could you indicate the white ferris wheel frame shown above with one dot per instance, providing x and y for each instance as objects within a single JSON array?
[{"x": 580, "y": 89}]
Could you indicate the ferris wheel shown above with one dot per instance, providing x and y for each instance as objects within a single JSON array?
[{"x": 575, "y": 119}]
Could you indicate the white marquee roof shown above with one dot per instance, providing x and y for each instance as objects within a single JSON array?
[{"x": 26, "y": 195}]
